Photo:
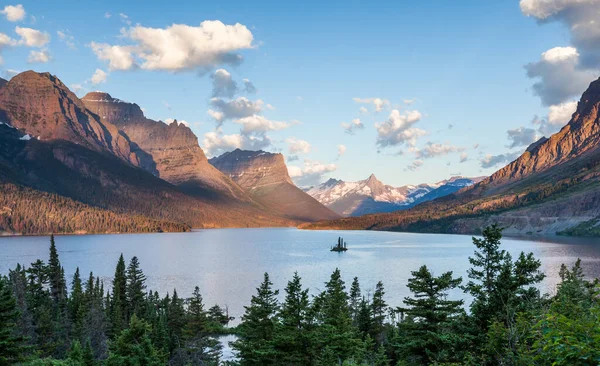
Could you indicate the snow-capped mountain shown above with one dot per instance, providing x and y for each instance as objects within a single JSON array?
[{"x": 371, "y": 196}]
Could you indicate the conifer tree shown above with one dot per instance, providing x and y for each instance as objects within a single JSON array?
[
  {"x": 255, "y": 343},
  {"x": 355, "y": 299},
  {"x": 429, "y": 337},
  {"x": 56, "y": 274},
  {"x": 118, "y": 302},
  {"x": 133, "y": 346},
  {"x": 379, "y": 310},
  {"x": 77, "y": 305},
  {"x": 12, "y": 347},
  {"x": 135, "y": 288}
]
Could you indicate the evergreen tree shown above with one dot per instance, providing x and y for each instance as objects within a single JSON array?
[
  {"x": 58, "y": 288},
  {"x": 255, "y": 346},
  {"x": 87, "y": 357},
  {"x": 118, "y": 302},
  {"x": 355, "y": 299},
  {"x": 176, "y": 320},
  {"x": 12, "y": 347},
  {"x": 427, "y": 329},
  {"x": 379, "y": 310},
  {"x": 133, "y": 346},
  {"x": 76, "y": 305},
  {"x": 135, "y": 288},
  {"x": 293, "y": 333}
]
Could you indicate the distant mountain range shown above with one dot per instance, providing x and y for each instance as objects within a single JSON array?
[
  {"x": 372, "y": 196},
  {"x": 553, "y": 187}
]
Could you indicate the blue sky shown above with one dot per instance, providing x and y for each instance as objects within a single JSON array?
[{"x": 454, "y": 72}]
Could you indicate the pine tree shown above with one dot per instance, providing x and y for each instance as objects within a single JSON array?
[
  {"x": 12, "y": 347},
  {"x": 201, "y": 348},
  {"x": 293, "y": 333},
  {"x": 255, "y": 346},
  {"x": 355, "y": 298},
  {"x": 136, "y": 288},
  {"x": 118, "y": 302},
  {"x": 56, "y": 274},
  {"x": 176, "y": 320},
  {"x": 77, "y": 305},
  {"x": 133, "y": 346},
  {"x": 87, "y": 357},
  {"x": 427, "y": 329},
  {"x": 379, "y": 310}
]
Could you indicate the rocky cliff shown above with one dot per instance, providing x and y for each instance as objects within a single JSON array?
[
  {"x": 42, "y": 106},
  {"x": 173, "y": 147},
  {"x": 264, "y": 175}
]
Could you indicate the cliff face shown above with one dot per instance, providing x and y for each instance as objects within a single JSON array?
[
  {"x": 173, "y": 147},
  {"x": 264, "y": 175},
  {"x": 42, "y": 106}
]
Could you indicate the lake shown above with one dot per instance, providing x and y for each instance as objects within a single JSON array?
[{"x": 228, "y": 264}]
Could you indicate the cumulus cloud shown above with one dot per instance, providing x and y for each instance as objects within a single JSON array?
[
  {"x": 311, "y": 173},
  {"x": 363, "y": 110},
  {"x": 10, "y": 73},
  {"x": 179, "y": 47},
  {"x": 258, "y": 125},
  {"x": 14, "y": 13},
  {"x": 489, "y": 161},
  {"x": 341, "y": 150},
  {"x": 99, "y": 77},
  {"x": 249, "y": 87},
  {"x": 223, "y": 84},
  {"x": 408, "y": 101},
  {"x": 378, "y": 103},
  {"x": 521, "y": 136},
  {"x": 216, "y": 143},
  {"x": 464, "y": 157},
  {"x": 398, "y": 130},
  {"x": 558, "y": 116},
  {"x": 42, "y": 56},
  {"x": 559, "y": 75},
  {"x": 431, "y": 150},
  {"x": 351, "y": 127},
  {"x": 77, "y": 88},
  {"x": 107, "y": 15},
  {"x": 232, "y": 109},
  {"x": 296, "y": 146},
  {"x": 32, "y": 37},
  {"x": 293, "y": 158}
]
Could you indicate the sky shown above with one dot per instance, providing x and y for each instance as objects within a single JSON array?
[{"x": 413, "y": 92}]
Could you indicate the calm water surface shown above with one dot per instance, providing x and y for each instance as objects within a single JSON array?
[{"x": 228, "y": 264}]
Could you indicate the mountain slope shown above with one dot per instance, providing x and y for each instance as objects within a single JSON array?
[
  {"x": 173, "y": 147},
  {"x": 554, "y": 186},
  {"x": 265, "y": 177},
  {"x": 372, "y": 196}
]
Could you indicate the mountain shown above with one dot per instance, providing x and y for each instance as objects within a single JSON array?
[
  {"x": 173, "y": 147},
  {"x": 265, "y": 177},
  {"x": 553, "y": 187},
  {"x": 64, "y": 169},
  {"x": 372, "y": 196}
]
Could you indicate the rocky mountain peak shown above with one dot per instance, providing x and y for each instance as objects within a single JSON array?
[{"x": 253, "y": 169}]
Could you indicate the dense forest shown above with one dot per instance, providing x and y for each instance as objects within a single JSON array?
[{"x": 509, "y": 321}]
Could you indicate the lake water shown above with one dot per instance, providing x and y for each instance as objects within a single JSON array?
[{"x": 228, "y": 264}]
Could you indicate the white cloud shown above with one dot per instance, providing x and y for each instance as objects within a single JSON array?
[
  {"x": 464, "y": 157},
  {"x": 349, "y": 128},
  {"x": 5, "y": 41},
  {"x": 32, "y": 37},
  {"x": 77, "y": 88},
  {"x": 178, "y": 47},
  {"x": 489, "y": 161},
  {"x": 118, "y": 57},
  {"x": 408, "y": 101},
  {"x": 258, "y": 125},
  {"x": 42, "y": 56},
  {"x": 296, "y": 146},
  {"x": 397, "y": 130},
  {"x": 99, "y": 77},
  {"x": 363, "y": 110},
  {"x": 559, "y": 75},
  {"x": 236, "y": 108},
  {"x": 521, "y": 136},
  {"x": 107, "y": 15},
  {"x": 216, "y": 143},
  {"x": 341, "y": 150},
  {"x": 559, "y": 115},
  {"x": 223, "y": 84},
  {"x": 432, "y": 150},
  {"x": 67, "y": 38},
  {"x": 10, "y": 73},
  {"x": 249, "y": 87},
  {"x": 125, "y": 18},
  {"x": 378, "y": 103},
  {"x": 311, "y": 173},
  {"x": 14, "y": 13}
]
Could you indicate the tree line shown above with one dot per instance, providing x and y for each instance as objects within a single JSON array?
[{"x": 509, "y": 322}]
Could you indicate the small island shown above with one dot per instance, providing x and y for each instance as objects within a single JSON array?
[{"x": 340, "y": 246}]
